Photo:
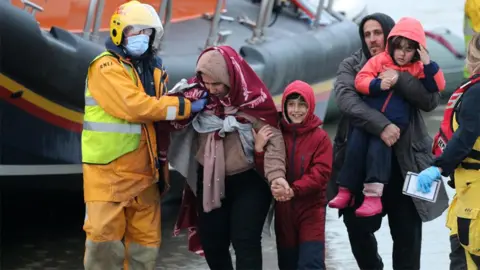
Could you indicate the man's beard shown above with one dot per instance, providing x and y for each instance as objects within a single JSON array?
[{"x": 375, "y": 49}]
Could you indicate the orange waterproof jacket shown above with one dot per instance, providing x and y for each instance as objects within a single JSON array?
[
  {"x": 111, "y": 85},
  {"x": 411, "y": 29}
]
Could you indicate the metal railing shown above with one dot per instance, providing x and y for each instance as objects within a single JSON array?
[
  {"x": 215, "y": 21},
  {"x": 94, "y": 16},
  {"x": 215, "y": 37},
  {"x": 263, "y": 18},
  {"x": 318, "y": 14},
  {"x": 32, "y": 6},
  {"x": 165, "y": 14},
  {"x": 333, "y": 12}
]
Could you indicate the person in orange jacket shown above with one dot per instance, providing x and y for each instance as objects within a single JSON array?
[
  {"x": 124, "y": 96},
  {"x": 405, "y": 51}
]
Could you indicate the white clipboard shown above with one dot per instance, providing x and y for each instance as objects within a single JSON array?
[{"x": 410, "y": 188}]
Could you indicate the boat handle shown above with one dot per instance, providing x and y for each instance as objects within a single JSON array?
[{"x": 28, "y": 4}]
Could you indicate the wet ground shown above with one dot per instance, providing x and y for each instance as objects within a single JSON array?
[{"x": 44, "y": 230}]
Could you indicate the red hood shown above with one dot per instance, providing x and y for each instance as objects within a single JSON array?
[
  {"x": 311, "y": 120},
  {"x": 410, "y": 28}
]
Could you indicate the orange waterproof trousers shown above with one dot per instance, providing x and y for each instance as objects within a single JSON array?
[{"x": 123, "y": 234}]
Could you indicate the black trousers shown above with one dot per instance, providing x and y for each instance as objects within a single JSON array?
[
  {"x": 239, "y": 221},
  {"x": 405, "y": 228},
  {"x": 365, "y": 155}
]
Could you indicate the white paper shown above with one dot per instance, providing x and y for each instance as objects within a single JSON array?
[{"x": 410, "y": 188}]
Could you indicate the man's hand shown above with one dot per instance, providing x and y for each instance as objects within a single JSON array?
[
  {"x": 390, "y": 134},
  {"x": 390, "y": 74},
  {"x": 281, "y": 190},
  {"x": 262, "y": 137}
]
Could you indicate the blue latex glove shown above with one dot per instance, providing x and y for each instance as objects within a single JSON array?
[
  {"x": 426, "y": 178},
  {"x": 199, "y": 104}
]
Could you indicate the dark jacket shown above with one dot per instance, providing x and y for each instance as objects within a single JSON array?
[
  {"x": 412, "y": 150},
  {"x": 465, "y": 137}
]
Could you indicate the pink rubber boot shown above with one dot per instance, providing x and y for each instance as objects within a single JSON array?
[
  {"x": 371, "y": 206},
  {"x": 342, "y": 199}
]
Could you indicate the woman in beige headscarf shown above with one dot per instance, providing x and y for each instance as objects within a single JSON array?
[{"x": 233, "y": 198}]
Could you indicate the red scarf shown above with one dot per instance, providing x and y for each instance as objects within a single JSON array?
[{"x": 247, "y": 93}]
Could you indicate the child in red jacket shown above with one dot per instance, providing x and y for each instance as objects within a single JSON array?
[
  {"x": 300, "y": 207},
  {"x": 405, "y": 51}
]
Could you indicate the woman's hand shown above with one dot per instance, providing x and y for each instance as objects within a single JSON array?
[
  {"x": 281, "y": 190},
  {"x": 262, "y": 137},
  {"x": 424, "y": 57}
]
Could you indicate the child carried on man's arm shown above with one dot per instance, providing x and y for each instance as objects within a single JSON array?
[{"x": 405, "y": 52}]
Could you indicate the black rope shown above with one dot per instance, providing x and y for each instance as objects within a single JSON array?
[{"x": 277, "y": 9}]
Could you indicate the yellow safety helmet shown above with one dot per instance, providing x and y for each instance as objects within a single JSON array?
[{"x": 136, "y": 16}]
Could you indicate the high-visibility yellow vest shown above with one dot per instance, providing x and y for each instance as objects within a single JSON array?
[{"x": 105, "y": 137}]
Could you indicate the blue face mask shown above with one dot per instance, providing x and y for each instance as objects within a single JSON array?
[{"x": 137, "y": 45}]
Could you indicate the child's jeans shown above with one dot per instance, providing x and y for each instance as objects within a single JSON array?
[{"x": 367, "y": 162}]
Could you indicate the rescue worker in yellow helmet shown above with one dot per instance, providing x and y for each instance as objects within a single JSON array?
[
  {"x": 460, "y": 160},
  {"x": 124, "y": 96},
  {"x": 471, "y": 24}
]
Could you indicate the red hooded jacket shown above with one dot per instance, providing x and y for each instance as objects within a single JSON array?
[
  {"x": 309, "y": 165},
  {"x": 411, "y": 29},
  {"x": 309, "y": 149}
]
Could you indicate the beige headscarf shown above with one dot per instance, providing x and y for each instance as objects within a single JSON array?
[{"x": 213, "y": 64}]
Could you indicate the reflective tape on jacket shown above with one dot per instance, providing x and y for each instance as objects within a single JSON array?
[
  {"x": 113, "y": 127},
  {"x": 90, "y": 101}
]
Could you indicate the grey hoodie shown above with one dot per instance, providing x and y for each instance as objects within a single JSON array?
[{"x": 412, "y": 150}]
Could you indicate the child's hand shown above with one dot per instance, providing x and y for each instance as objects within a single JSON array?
[
  {"x": 262, "y": 137},
  {"x": 390, "y": 74},
  {"x": 424, "y": 57},
  {"x": 281, "y": 190},
  {"x": 386, "y": 84}
]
